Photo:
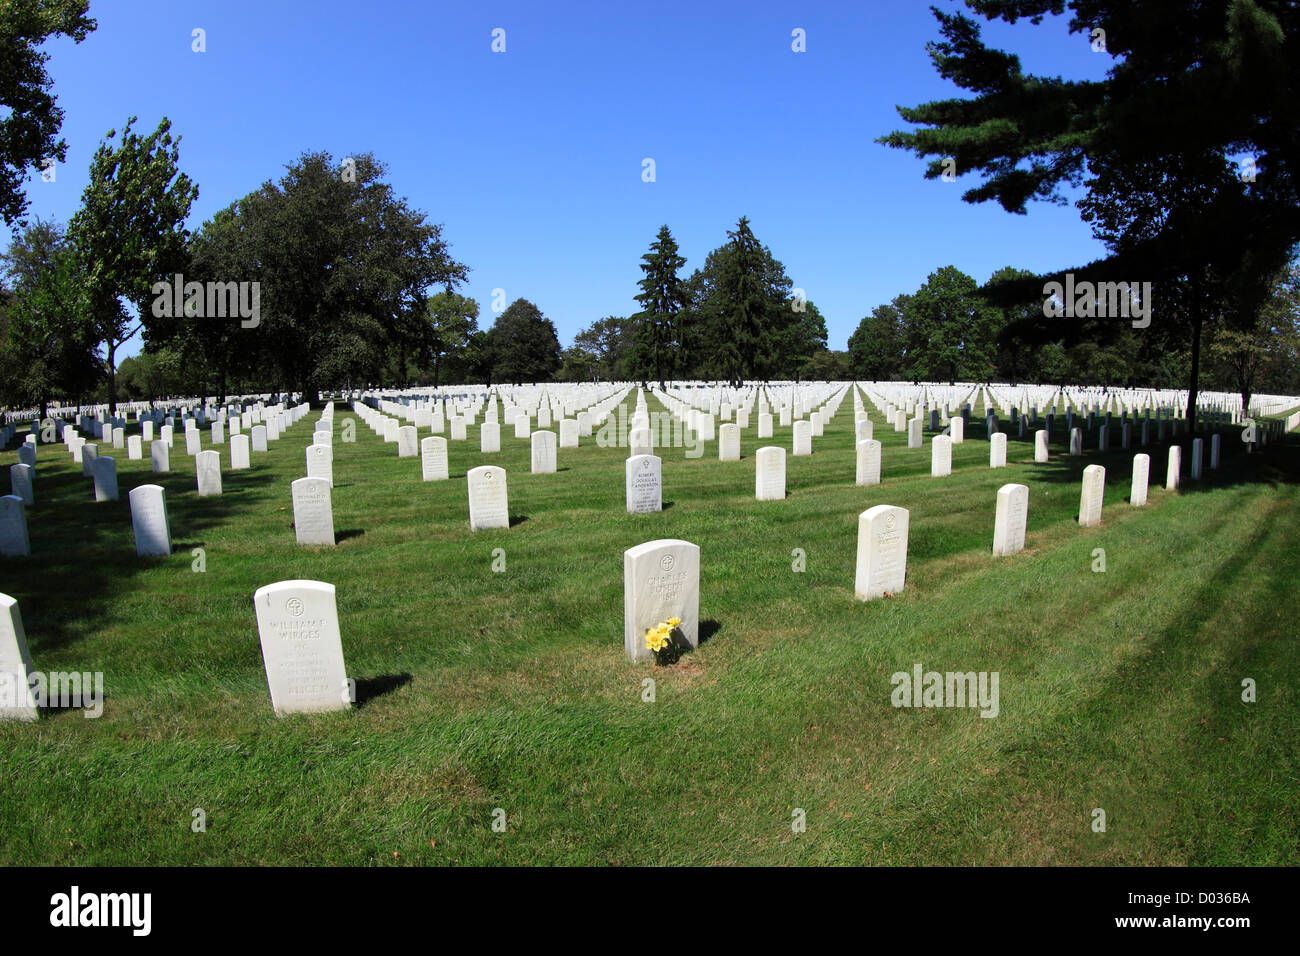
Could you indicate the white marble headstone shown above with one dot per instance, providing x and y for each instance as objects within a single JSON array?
[
  {"x": 207, "y": 465},
  {"x": 14, "y": 542},
  {"x": 643, "y": 478},
  {"x": 1009, "y": 523},
  {"x": 433, "y": 458},
  {"x": 868, "y": 462},
  {"x": 149, "y": 522},
  {"x": 661, "y": 580},
  {"x": 313, "y": 513},
  {"x": 769, "y": 473},
  {"x": 882, "y": 552},
  {"x": 298, "y": 624},
  {"x": 1091, "y": 495},
  {"x": 16, "y": 700},
  {"x": 488, "y": 503}
]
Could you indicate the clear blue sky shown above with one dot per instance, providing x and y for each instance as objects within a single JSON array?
[{"x": 532, "y": 158}]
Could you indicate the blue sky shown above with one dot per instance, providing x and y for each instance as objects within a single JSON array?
[{"x": 532, "y": 158}]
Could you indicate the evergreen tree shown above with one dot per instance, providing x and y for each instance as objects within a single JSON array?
[{"x": 663, "y": 297}]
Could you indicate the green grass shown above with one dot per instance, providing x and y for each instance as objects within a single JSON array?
[{"x": 1119, "y": 690}]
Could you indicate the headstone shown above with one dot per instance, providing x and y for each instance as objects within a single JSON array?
[
  {"x": 105, "y": 475},
  {"x": 868, "y": 462},
  {"x": 661, "y": 580},
  {"x": 239, "y": 455},
  {"x": 940, "y": 456},
  {"x": 568, "y": 433},
  {"x": 764, "y": 425},
  {"x": 408, "y": 441},
  {"x": 882, "y": 552},
  {"x": 1172, "y": 474},
  {"x": 998, "y": 450},
  {"x": 259, "y": 438},
  {"x": 457, "y": 428},
  {"x": 20, "y": 483},
  {"x": 488, "y": 503},
  {"x": 1040, "y": 446},
  {"x": 729, "y": 442},
  {"x": 153, "y": 535},
  {"x": 643, "y": 478},
  {"x": 320, "y": 462},
  {"x": 16, "y": 700},
  {"x": 207, "y": 465},
  {"x": 914, "y": 433},
  {"x": 433, "y": 459},
  {"x": 14, "y": 542},
  {"x": 863, "y": 429},
  {"x": 218, "y": 433},
  {"x": 1141, "y": 473},
  {"x": 134, "y": 449},
  {"x": 1009, "y": 524},
  {"x": 1076, "y": 442},
  {"x": 27, "y": 454},
  {"x": 769, "y": 473},
  {"x": 192, "y": 443},
  {"x": 1214, "y": 451},
  {"x": 489, "y": 437},
  {"x": 313, "y": 513},
  {"x": 165, "y": 434},
  {"x": 119, "y": 437},
  {"x": 1090, "y": 498},
  {"x": 957, "y": 430},
  {"x": 543, "y": 447},
  {"x": 1198, "y": 456},
  {"x": 298, "y": 624},
  {"x": 160, "y": 456},
  {"x": 88, "y": 455},
  {"x": 146, "y": 430},
  {"x": 523, "y": 427},
  {"x": 802, "y": 438}
]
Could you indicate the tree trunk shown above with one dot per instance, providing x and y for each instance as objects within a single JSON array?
[
  {"x": 112, "y": 378},
  {"x": 1196, "y": 366}
]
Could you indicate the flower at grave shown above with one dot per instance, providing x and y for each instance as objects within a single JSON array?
[
  {"x": 674, "y": 621},
  {"x": 657, "y": 638}
]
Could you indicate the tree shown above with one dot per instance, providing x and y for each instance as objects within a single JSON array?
[
  {"x": 1241, "y": 358},
  {"x": 33, "y": 118},
  {"x": 343, "y": 267},
  {"x": 578, "y": 365},
  {"x": 663, "y": 297},
  {"x": 828, "y": 366},
  {"x": 742, "y": 321},
  {"x": 523, "y": 345},
  {"x": 876, "y": 351},
  {"x": 1174, "y": 112},
  {"x": 950, "y": 329},
  {"x": 452, "y": 325},
  {"x": 48, "y": 345},
  {"x": 607, "y": 341},
  {"x": 130, "y": 231}
]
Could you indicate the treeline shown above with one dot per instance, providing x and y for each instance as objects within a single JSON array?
[
  {"x": 953, "y": 329},
  {"x": 736, "y": 318}
]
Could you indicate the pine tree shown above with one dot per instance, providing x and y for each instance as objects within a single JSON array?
[{"x": 663, "y": 298}]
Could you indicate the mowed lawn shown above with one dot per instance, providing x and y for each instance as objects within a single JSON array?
[{"x": 1119, "y": 690}]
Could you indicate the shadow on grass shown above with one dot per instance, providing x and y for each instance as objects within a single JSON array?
[
  {"x": 368, "y": 688},
  {"x": 516, "y": 520}
]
